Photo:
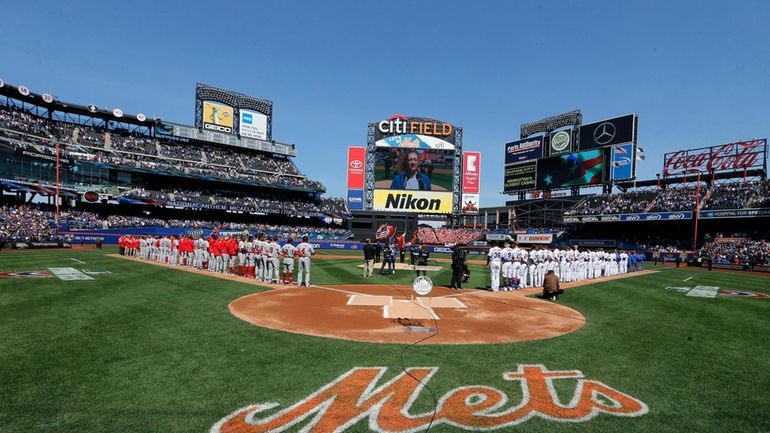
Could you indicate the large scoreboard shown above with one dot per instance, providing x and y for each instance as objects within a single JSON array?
[{"x": 575, "y": 155}]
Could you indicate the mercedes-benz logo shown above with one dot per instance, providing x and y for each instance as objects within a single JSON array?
[
  {"x": 604, "y": 133},
  {"x": 356, "y": 163}
]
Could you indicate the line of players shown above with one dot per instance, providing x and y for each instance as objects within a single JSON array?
[
  {"x": 261, "y": 257},
  {"x": 520, "y": 269}
]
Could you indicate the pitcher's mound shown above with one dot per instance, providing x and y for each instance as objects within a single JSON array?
[{"x": 388, "y": 314}]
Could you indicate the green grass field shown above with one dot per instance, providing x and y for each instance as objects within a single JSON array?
[{"x": 149, "y": 349}]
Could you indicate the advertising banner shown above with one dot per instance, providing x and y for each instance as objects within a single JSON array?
[
  {"x": 470, "y": 204},
  {"x": 727, "y": 157},
  {"x": 561, "y": 142},
  {"x": 355, "y": 199},
  {"x": 217, "y": 117},
  {"x": 520, "y": 177},
  {"x": 545, "y": 238},
  {"x": 622, "y": 163},
  {"x": 253, "y": 125},
  {"x": 523, "y": 150},
  {"x": 608, "y": 132},
  {"x": 413, "y": 201},
  {"x": 471, "y": 172},
  {"x": 356, "y": 167},
  {"x": 735, "y": 213},
  {"x": 653, "y": 216},
  {"x": 420, "y": 132},
  {"x": 572, "y": 169},
  {"x": 656, "y": 216}
]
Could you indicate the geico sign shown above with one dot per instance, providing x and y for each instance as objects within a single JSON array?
[
  {"x": 355, "y": 200},
  {"x": 676, "y": 216},
  {"x": 217, "y": 128},
  {"x": 364, "y": 393},
  {"x": 413, "y": 201},
  {"x": 397, "y": 125}
]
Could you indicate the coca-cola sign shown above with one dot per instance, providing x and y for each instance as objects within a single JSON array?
[{"x": 727, "y": 157}]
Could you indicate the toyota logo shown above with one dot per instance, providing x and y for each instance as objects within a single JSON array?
[
  {"x": 604, "y": 133},
  {"x": 356, "y": 163}
]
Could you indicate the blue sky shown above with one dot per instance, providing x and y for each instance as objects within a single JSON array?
[{"x": 696, "y": 72}]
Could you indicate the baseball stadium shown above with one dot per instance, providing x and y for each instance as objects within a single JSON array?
[{"x": 174, "y": 275}]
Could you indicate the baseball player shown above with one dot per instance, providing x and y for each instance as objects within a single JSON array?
[
  {"x": 623, "y": 262},
  {"x": 215, "y": 256},
  {"x": 494, "y": 258},
  {"x": 274, "y": 266},
  {"x": 287, "y": 252},
  {"x": 507, "y": 259},
  {"x": 224, "y": 249},
  {"x": 242, "y": 252},
  {"x": 304, "y": 251}
]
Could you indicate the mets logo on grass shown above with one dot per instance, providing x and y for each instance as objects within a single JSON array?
[{"x": 387, "y": 406}]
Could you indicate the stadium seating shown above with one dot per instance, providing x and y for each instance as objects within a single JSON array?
[
  {"x": 136, "y": 151},
  {"x": 447, "y": 236},
  {"x": 33, "y": 223},
  {"x": 744, "y": 252},
  {"x": 727, "y": 195},
  {"x": 27, "y": 224}
]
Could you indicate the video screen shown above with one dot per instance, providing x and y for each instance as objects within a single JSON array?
[{"x": 413, "y": 169}]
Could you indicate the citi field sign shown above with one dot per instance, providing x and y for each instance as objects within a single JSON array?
[
  {"x": 415, "y": 132},
  {"x": 398, "y": 124},
  {"x": 359, "y": 394}
]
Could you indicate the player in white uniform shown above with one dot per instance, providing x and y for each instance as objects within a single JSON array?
[
  {"x": 623, "y": 262},
  {"x": 304, "y": 251},
  {"x": 287, "y": 252},
  {"x": 264, "y": 256},
  {"x": 274, "y": 266},
  {"x": 250, "y": 257},
  {"x": 515, "y": 266},
  {"x": 523, "y": 268},
  {"x": 242, "y": 256},
  {"x": 494, "y": 258},
  {"x": 174, "y": 250},
  {"x": 507, "y": 259}
]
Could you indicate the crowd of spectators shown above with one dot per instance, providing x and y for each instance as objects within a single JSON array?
[
  {"x": 674, "y": 199},
  {"x": 447, "y": 236},
  {"x": 138, "y": 151},
  {"x": 27, "y": 224},
  {"x": 593, "y": 205},
  {"x": 743, "y": 252},
  {"x": 265, "y": 204},
  {"x": 728, "y": 195},
  {"x": 33, "y": 223}
]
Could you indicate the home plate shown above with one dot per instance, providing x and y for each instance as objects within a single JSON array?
[
  {"x": 369, "y": 300},
  {"x": 401, "y": 309}
]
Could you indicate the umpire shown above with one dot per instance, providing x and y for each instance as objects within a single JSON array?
[{"x": 458, "y": 267}]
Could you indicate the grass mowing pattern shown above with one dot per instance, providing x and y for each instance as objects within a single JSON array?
[{"x": 148, "y": 349}]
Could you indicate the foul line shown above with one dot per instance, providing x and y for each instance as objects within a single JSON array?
[
  {"x": 79, "y": 261},
  {"x": 688, "y": 279}
]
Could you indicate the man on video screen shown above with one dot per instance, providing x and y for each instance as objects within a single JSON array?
[{"x": 408, "y": 174}]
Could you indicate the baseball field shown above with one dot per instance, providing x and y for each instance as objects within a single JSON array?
[{"x": 90, "y": 342}]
